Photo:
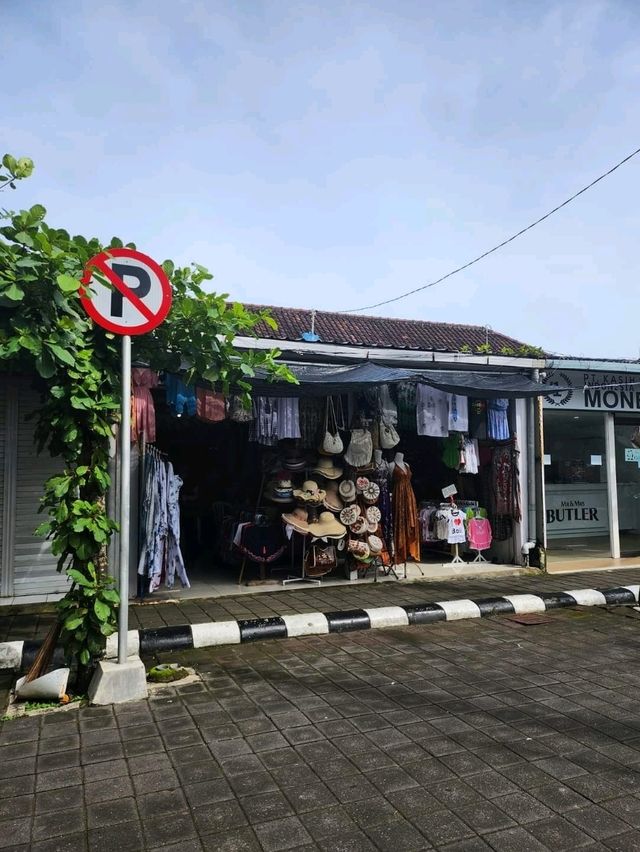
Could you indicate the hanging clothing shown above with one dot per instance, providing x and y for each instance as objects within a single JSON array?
[
  {"x": 432, "y": 411},
  {"x": 406, "y": 406},
  {"x": 160, "y": 555},
  {"x": 181, "y": 398},
  {"x": 471, "y": 455},
  {"x": 288, "y": 414},
  {"x": 264, "y": 428},
  {"x": 451, "y": 451},
  {"x": 406, "y": 525},
  {"x": 387, "y": 408},
  {"x": 480, "y": 535},
  {"x": 175, "y": 562},
  {"x": 210, "y": 406},
  {"x": 458, "y": 413},
  {"x": 455, "y": 527},
  {"x": 381, "y": 476},
  {"x": 143, "y": 411},
  {"x": 311, "y": 415},
  {"x": 498, "y": 419},
  {"x": 505, "y": 480}
]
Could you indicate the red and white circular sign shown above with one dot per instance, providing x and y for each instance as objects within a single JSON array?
[{"x": 129, "y": 292}]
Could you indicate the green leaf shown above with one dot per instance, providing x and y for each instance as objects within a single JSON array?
[
  {"x": 73, "y": 622},
  {"x": 67, "y": 283},
  {"x": 79, "y": 578},
  {"x": 24, "y": 238},
  {"x": 45, "y": 365},
  {"x": 61, "y": 354},
  {"x": 85, "y": 656},
  {"x": 13, "y": 292},
  {"x": 102, "y": 610}
]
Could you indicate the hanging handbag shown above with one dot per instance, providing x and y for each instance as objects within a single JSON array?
[
  {"x": 389, "y": 437},
  {"x": 237, "y": 412},
  {"x": 331, "y": 442},
  {"x": 360, "y": 449},
  {"x": 320, "y": 559}
]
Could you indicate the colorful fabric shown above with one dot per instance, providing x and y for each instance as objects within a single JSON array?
[
  {"x": 432, "y": 412},
  {"x": 480, "y": 534},
  {"x": 210, "y": 406},
  {"x": 406, "y": 525},
  {"x": 458, "y": 413},
  {"x": 406, "y": 392},
  {"x": 143, "y": 412},
  {"x": 498, "y": 419},
  {"x": 380, "y": 475},
  {"x": 181, "y": 398}
]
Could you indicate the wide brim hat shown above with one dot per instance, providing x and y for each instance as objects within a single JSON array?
[
  {"x": 297, "y": 519},
  {"x": 359, "y": 526},
  {"x": 310, "y": 493},
  {"x": 349, "y": 514},
  {"x": 325, "y": 467},
  {"x": 371, "y": 492},
  {"x": 327, "y": 526},
  {"x": 373, "y": 514},
  {"x": 333, "y": 501},
  {"x": 274, "y": 497},
  {"x": 375, "y": 545},
  {"x": 295, "y": 463},
  {"x": 347, "y": 490}
]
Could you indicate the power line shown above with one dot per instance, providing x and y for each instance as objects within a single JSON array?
[{"x": 500, "y": 245}]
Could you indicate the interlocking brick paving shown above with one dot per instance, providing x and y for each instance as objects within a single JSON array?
[{"x": 455, "y": 736}]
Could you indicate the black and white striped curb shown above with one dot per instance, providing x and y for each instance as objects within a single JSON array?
[{"x": 15, "y": 655}]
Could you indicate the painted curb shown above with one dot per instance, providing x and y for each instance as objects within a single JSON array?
[{"x": 14, "y": 655}]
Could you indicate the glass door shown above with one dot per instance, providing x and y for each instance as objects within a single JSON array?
[
  {"x": 577, "y": 509},
  {"x": 628, "y": 485}
]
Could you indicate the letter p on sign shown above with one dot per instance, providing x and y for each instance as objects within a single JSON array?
[{"x": 125, "y": 291}]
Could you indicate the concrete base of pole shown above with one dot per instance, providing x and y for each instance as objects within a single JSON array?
[{"x": 115, "y": 683}]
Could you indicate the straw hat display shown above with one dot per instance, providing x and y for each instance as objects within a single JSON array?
[
  {"x": 361, "y": 483},
  {"x": 283, "y": 488},
  {"x": 298, "y": 519},
  {"x": 371, "y": 492},
  {"x": 310, "y": 493},
  {"x": 327, "y": 526},
  {"x": 325, "y": 467},
  {"x": 276, "y": 494},
  {"x": 350, "y": 514},
  {"x": 333, "y": 500},
  {"x": 347, "y": 491},
  {"x": 375, "y": 545},
  {"x": 373, "y": 515},
  {"x": 359, "y": 526},
  {"x": 294, "y": 461},
  {"x": 359, "y": 549}
]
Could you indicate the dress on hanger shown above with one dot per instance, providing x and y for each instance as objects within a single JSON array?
[
  {"x": 380, "y": 475},
  {"x": 406, "y": 524},
  {"x": 143, "y": 421}
]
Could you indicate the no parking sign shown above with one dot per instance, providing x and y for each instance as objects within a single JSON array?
[{"x": 138, "y": 298}]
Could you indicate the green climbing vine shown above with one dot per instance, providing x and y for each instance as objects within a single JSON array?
[{"x": 44, "y": 332}]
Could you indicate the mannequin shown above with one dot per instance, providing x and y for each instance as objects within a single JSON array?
[
  {"x": 398, "y": 460},
  {"x": 406, "y": 527}
]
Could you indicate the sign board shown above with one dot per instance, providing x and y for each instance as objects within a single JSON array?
[
  {"x": 449, "y": 491},
  {"x": 125, "y": 291},
  {"x": 575, "y": 390},
  {"x": 576, "y": 510},
  {"x": 631, "y": 455}
]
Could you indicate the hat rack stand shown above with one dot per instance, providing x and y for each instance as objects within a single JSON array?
[{"x": 303, "y": 576}]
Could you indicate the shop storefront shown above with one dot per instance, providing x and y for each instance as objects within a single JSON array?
[
  {"x": 358, "y": 472},
  {"x": 592, "y": 461}
]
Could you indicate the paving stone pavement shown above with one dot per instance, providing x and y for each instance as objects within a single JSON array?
[
  {"x": 456, "y": 736},
  {"x": 33, "y": 621}
]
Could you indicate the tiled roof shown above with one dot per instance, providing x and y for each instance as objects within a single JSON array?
[{"x": 381, "y": 332}]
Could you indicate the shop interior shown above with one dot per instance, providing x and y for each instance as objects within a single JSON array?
[
  {"x": 576, "y": 481},
  {"x": 316, "y": 489}
]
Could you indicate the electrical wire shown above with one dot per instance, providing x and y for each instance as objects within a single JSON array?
[{"x": 500, "y": 245}]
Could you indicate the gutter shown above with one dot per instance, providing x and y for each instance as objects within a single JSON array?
[{"x": 404, "y": 357}]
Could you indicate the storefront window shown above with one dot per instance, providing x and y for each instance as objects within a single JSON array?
[
  {"x": 576, "y": 482},
  {"x": 628, "y": 483}
]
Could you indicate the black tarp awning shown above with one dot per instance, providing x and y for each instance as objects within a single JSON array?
[{"x": 317, "y": 380}]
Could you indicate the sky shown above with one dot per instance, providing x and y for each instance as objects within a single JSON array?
[{"x": 332, "y": 155}]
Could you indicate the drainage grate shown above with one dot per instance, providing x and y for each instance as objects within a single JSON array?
[{"x": 528, "y": 619}]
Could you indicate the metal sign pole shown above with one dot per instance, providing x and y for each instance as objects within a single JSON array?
[{"x": 125, "y": 493}]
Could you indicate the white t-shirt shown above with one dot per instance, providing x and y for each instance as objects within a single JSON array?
[
  {"x": 456, "y": 533},
  {"x": 458, "y": 413},
  {"x": 432, "y": 411}
]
